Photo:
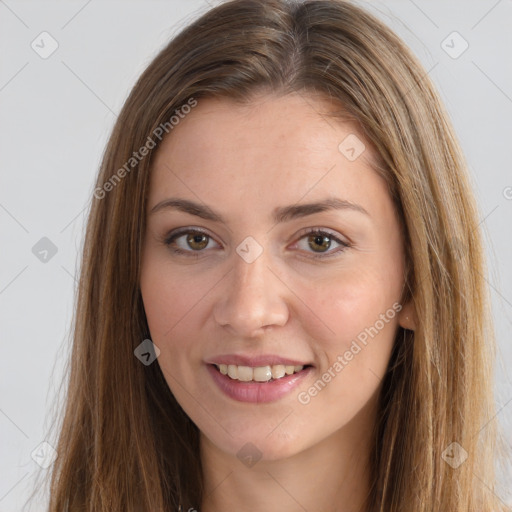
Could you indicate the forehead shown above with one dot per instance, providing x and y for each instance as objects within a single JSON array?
[
  {"x": 302, "y": 123},
  {"x": 277, "y": 148}
]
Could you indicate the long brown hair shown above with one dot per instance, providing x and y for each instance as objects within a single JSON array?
[{"x": 124, "y": 442}]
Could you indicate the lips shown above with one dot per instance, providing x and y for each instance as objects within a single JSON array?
[{"x": 259, "y": 379}]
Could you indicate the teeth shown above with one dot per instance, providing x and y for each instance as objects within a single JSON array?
[
  {"x": 258, "y": 374},
  {"x": 244, "y": 373},
  {"x": 278, "y": 371},
  {"x": 233, "y": 371},
  {"x": 262, "y": 373}
]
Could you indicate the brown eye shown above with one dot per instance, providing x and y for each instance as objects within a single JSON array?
[
  {"x": 190, "y": 242},
  {"x": 197, "y": 241},
  {"x": 319, "y": 241}
]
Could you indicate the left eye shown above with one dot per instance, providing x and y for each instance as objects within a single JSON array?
[{"x": 322, "y": 240}]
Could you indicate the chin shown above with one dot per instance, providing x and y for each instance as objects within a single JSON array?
[{"x": 257, "y": 444}]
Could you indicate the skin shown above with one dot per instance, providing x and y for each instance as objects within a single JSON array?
[{"x": 243, "y": 162}]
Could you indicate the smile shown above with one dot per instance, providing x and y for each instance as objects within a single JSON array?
[
  {"x": 257, "y": 384},
  {"x": 259, "y": 373}
]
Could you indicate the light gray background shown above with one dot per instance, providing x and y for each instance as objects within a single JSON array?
[{"x": 56, "y": 114}]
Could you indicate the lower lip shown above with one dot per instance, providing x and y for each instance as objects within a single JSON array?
[{"x": 257, "y": 392}]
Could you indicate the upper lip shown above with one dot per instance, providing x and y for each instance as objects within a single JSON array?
[{"x": 255, "y": 361}]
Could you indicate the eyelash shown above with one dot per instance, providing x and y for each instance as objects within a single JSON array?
[{"x": 169, "y": 241}]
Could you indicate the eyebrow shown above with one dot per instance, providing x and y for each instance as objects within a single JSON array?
[{"x": 280, "y": 215}]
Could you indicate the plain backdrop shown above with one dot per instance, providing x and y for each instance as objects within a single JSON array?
[{"x": 56, "y": 113}]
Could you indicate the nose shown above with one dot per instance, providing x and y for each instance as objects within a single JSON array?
[{"x": 252, "y": 298}]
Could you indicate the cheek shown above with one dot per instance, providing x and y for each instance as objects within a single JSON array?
[
  {"x": 169, "y": 298},
  {"x": 355, "y": 336},
  {"x": 361, "y": 313},
  {"x": 350, "y": 305},
  {"x": 172, "y": 302}
]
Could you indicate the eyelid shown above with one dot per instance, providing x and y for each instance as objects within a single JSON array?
[
  {"x": 188, "y": 229},
  {"x": 333, "y": 234}
]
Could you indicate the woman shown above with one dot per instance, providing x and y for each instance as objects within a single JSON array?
[{"x": 274, "y": 310}]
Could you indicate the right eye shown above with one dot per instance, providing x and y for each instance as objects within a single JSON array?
[{"x": 189, "y": 242}]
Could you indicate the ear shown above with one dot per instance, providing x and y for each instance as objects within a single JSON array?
[{"x": 407, "y": 317}]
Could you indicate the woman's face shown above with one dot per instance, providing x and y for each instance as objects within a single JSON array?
[{"x": 231, "y": 274}]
